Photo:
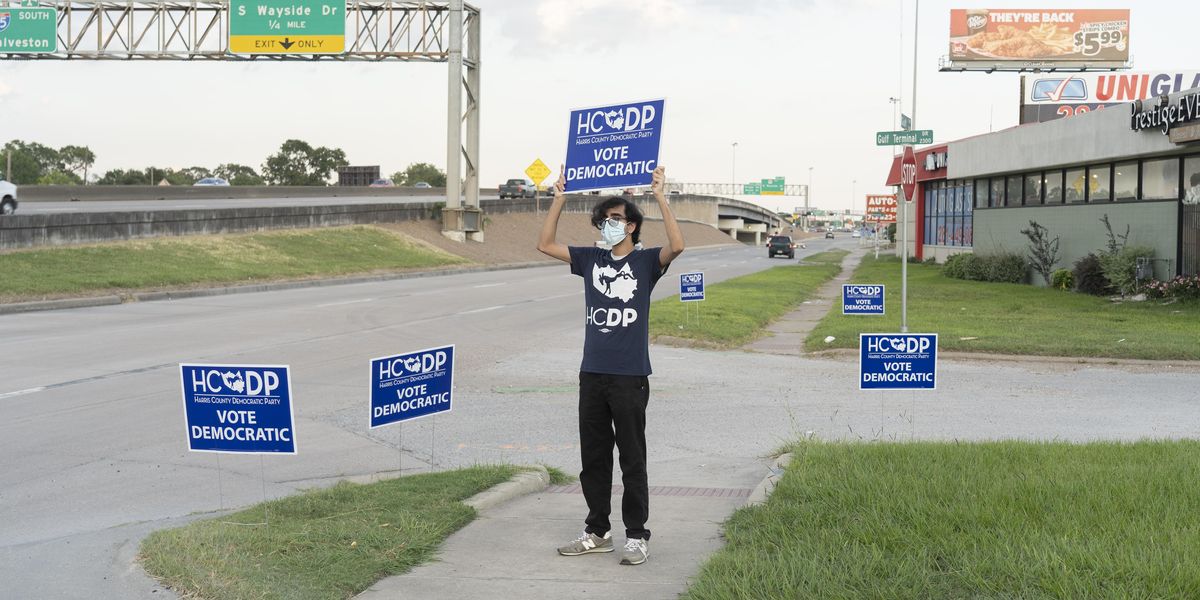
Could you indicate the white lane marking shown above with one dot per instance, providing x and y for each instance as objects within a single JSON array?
[
  {"x": 488, "y": 285},
  {"x": 557, "y": 297},
  {"x": 479, "y": 310},
  {"x": 22, "y": 392},
  {"x": 345, "y": 302}
]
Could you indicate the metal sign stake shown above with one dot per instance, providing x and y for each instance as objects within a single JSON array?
[
  {"x": 220, "y": 490},
  {"x": 432, "y": 442},
  {"x": 262, "y": 474}
]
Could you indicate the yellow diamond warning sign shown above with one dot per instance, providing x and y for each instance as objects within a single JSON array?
[{"x": 537, "y": 171}]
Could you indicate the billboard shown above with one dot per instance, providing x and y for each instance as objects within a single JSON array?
[
  {"x": 988, "y": 38},
  {"x": 881, "y": 208},
  {"x": 1049, "y": 96}
]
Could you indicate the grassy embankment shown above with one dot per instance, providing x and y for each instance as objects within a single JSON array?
[
  {"x": 181, "y": 262},
  {"x": 1009, "y": 318},
  {"x": 735, "y": 311},
  {"x": 949, "y": 520}
]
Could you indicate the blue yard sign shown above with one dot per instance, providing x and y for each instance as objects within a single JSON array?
[
  {"x": 238, "y": 408},
  {"x": 613, "y": 146},
  {"x": 897, "y": 361},
  {"x": 691, "y": 287},
  {"x": 408, "y": 386},
  {"x": 862, "y": 299}
]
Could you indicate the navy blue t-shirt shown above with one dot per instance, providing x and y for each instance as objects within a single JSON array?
[{"x": 617, "y": 296}]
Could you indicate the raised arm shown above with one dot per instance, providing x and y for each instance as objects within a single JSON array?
[
  {"x": 548, "y": 239},
  {"x": 674, "y": 246}
]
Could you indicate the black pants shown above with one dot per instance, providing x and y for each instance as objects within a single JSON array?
[{"x": 612, "y": 408}]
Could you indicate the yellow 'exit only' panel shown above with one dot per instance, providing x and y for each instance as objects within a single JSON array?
[{"x": 287, "y": 44}]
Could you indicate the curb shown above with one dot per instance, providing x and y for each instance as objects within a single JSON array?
[
  {"x": 521, "y": 484},
  {"x": 764, "y": 488}
]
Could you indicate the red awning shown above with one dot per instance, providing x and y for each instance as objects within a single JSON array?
[{"x": 893, "y": 177}]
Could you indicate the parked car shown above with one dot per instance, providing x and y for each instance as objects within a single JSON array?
[
  {"x": 382, "y": 182},
  {"x": 781, "y": 244},
  {"x": 422, "y": 185},
  {"x": 829, "y": 235},
  {"x": 517, "y": 188},
  {"x": 856, "y": 234},
  {"x": 212, "y": 181},
  {"x": 8, "y": 198}
]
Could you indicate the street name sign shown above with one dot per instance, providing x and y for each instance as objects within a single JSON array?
[
  {"x": 538, "y": 171},
  {"x": 897, "y": 361},
  {"x": 613, "y": 146},
  {"x": 691, "y": 287},
  {"x": 28, "y": 30},
  {"x": 903, "y": 138},
  {"x": 410, "y": 386},
  {"x": 238, "y": 408},
  {"x": 287, "y": 26},
  {"x": 862, "y": 299}
]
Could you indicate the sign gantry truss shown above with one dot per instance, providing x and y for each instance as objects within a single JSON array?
[
  {"x": 375, "y": 30},
  {"x": 199, "y": 29}
]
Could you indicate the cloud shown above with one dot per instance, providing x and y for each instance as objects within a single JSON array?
[{"x": 5, "y": 89}]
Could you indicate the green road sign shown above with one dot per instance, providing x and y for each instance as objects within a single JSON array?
[
  {"x": 28, "y": 30},
  {"x": 904, "y": 138},
  {"x": 772, "y": 187},
  {"x": 752, "y": 189},
  {"x": 287, "y": 27}
]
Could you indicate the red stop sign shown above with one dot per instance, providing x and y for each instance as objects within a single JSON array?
[{"x": 908, "y": 173}]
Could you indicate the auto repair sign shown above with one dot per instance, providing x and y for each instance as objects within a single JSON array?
[{"x": 613, "y": 146}]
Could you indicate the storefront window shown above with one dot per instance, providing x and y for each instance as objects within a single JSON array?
[
  {"x": 1191, "y": 180},
  {"x": 1125, "y": 181},
  {"x": 981, "y": 193},
  {"x": 997, "y": 196},
  {"x": 928, "y": 216},
  {"x": 1160, "y": 179},
  {"x": 1013, "y": 193},
  {"x": 1033, "y": 189},
  {"x": 1073, "y": 187},
  {"x": 1052, "y": 183},
  {"x": 1099, "y": 181}
]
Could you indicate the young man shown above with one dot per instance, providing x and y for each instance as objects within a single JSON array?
[{"x": 613, "y": 384}]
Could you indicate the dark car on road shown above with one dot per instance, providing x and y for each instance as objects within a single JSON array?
[
  {"x": 781, "y": 244},
  {"x": 829, "y": 235},
  {"x": 517, "y": 188}
]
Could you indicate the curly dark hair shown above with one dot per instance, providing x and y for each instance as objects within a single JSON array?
[{"x": 632, "y": 214}]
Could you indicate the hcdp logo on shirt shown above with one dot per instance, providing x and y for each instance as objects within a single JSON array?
[
  {"x": 611, "y": 317},
  {"x": 900, "y": 345},
  {"x": 630, "y": 118},
  {"x": 419, "y": 364},
  {"x": 244, "y": 383}
]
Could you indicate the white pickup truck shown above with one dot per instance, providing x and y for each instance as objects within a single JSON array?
[{"x": 8, "y": 198}]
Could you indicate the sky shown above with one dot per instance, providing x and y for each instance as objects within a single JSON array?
[{"x": 800, "y": 85}]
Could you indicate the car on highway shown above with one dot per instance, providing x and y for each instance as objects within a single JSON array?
[
  {"x": 829, "y": 235},
  {"x": 781, "y": 244},
  {"x": 382, "y": 182},
  {"x": 856, "y": 234},
  {"x": 8, "y": 198},
  {"x": 517, "y": 188},
  {"x": 212, "y": 181},
  {"x": 422, "y": 185}
]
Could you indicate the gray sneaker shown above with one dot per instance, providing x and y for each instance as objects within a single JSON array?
[
  {"x": 635, "y": 552},
  {"x": 587, "y": 544}
]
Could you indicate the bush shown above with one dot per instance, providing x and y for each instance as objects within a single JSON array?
[
  {"x": 1006, "y": 268},
  {"x": 1089, "y": 276},
  {"x": 1062, "y": 279},
  {"x": 1002, "y": 268},
  {"x": 1180, "y": 288},
  {"x": 956, "y": 266},
  {"x": 1119, "y": 268}
]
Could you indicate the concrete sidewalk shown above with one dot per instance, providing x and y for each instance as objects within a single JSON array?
[{"x": 509, "y": 551}]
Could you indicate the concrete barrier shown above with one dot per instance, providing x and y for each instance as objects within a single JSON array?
[
  {"x": 102, "y": 193},
  {"x": 27, "y": 231}
]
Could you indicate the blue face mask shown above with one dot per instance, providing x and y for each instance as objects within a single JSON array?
[{"x": 613, "y": 234}]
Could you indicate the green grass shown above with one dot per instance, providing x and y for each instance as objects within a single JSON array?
[
  {"x": 209, "y": 260},
  {"x": 1006, "y": 520},
  {"x": 736, "y": 310},
  {"x": 327, "y": 543},
  {"x": 1016, "y": 319},
  {"x": 559, "y": 477}
]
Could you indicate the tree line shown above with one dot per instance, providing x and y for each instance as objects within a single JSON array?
[{"x": 296, "y": 163}]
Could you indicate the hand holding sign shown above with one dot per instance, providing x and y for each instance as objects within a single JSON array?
[
  {"x": 656, "y": 181},
  {"x": 561, "y": 184}
]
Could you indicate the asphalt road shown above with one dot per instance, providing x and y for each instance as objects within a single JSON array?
[
  {"x": 92, "y": 429},
  {"x": 34, "y": 208}
]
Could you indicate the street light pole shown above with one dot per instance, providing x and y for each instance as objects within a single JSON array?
[
  {"x": 733, "y": 171},
  {"x": 807, "y": 198},
  {"x": 908, "y": 201}
]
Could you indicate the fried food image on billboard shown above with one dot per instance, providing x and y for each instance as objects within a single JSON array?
[{"x": 1045, "y": 39}]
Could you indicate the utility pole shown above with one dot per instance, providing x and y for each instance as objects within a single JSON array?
[
  {"x": 733, "y": 171},
  {"x": 807, "y": 198}
]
